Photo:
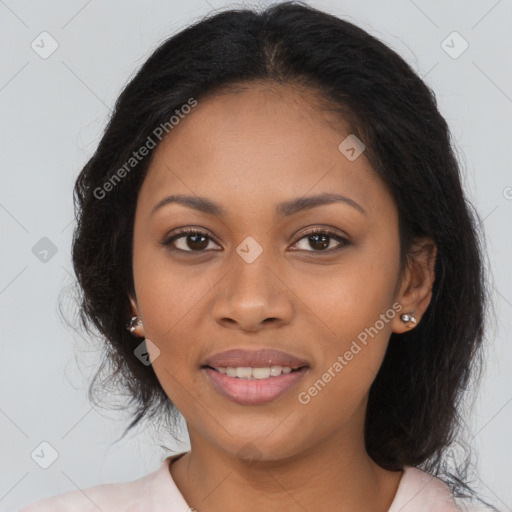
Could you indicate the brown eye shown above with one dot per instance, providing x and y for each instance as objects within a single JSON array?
[
  {"x": 320, "y": 240},
  {"x": 188, "y": 241}
]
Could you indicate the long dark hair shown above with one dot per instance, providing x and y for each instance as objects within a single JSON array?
[{"x": 413, "y": 409}]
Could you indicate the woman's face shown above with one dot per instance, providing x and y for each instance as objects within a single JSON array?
[{"x": 255, "y": 278}]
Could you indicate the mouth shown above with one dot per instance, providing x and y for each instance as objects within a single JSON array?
[
  {"x": 245, "y": 385},
  {"x": 255, "y": 358},
  {"x": 254, "y": 373},
  {"x": 254, "y": 377}
]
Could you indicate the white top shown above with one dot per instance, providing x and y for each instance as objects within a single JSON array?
[{"x": 156, "y": 492}]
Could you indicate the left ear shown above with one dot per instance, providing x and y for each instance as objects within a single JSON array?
[{"x": 415, "y": 290}]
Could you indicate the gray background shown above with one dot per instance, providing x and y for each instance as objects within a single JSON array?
[{"x": 53, "y": 114}]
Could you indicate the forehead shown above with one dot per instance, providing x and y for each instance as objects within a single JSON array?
[{"x": 262, "y": 143}]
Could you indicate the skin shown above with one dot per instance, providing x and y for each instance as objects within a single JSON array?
[{"x": 248, "y": 151}]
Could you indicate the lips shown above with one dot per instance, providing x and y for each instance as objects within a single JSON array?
[
  {"x": 254, "y": 392},
  {"x": 253, "y": 358},
  {"x": 254, "y": 377}
]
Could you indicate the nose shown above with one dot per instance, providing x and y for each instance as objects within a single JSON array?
[{"x": 253, "y": 296}]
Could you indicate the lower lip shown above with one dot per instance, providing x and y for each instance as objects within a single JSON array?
[{"x": 257, "y": 391}]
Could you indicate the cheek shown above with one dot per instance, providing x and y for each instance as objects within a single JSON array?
[
  {"x": 338, "y": 386},
  {"x": 354, "y": 305},
  {"x": 351, "y": 296},
  {"x": 167, "y": 293}
]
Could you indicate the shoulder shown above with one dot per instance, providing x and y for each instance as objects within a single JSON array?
[
  {"x": 106, "y": 497},
  {"x": 136, "y": 496},
  {"x": 418, "y": 490}
]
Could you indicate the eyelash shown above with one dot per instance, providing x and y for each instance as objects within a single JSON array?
[{"x": 168, "y": 241}]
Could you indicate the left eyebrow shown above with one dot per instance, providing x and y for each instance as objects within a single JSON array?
[
  {"x": 305, "y": 203},
  {"x": 284, "y": 209}
]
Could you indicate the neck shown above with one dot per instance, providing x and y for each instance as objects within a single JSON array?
[{"x": 334, "y": 476}]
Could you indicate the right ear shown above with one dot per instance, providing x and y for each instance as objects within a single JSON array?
[
  {"x": 135, "y": 309},
  {"x": 139, "y": 329}
]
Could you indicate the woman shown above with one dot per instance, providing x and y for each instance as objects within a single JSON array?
[{"x": 273, "y": 240}]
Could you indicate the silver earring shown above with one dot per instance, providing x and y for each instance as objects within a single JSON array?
[
  {"x": 408, "y": 318},
  {"x": 134, "y": 323}
]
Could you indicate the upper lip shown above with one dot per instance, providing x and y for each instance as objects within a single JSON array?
[{"x": 259, "y": 358}]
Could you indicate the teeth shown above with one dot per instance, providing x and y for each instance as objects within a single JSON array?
[
  {"x": 262, "y": 373},
  {"x": 247, "y": 372},
  {"x": 243, "y": 372}
]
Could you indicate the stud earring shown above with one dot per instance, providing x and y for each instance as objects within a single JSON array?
[
  {"x": 408, "y": 318},
  {"x": 134, "y": 323}
]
